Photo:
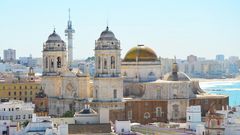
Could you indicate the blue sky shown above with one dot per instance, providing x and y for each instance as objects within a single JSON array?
[{"x": 171, "y": 27}]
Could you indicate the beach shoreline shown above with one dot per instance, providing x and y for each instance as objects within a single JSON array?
[{"x": 217, "y": 80}]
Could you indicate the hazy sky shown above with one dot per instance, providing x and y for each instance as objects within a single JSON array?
[{"x": 171, "y": 27}]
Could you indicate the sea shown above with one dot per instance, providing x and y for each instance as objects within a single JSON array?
[{"x": 230, "y": 88}]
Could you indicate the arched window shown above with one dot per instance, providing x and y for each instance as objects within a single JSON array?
[
  {"x": 158, "y": 94},
  {"x": 46, "y": 62},
  {"x": 99, "y": 62},
  {"x": 125, "y": 73},
  {"x": 151, "y": 76},
  {"x": 158, "y": 112},
  {"x": 112, "y": 62},
  {"x": 115, "y": 93},
  {"x": 175, "y": 110},
  {"x": 52, "y": 63},
  {"x": 105, "y": 63},
  {"x": 130, "y": 115},
  {"x": 96, "y": 92},
  {"x": 58, "y": 62},
  {"x": 147, "y": 115}
]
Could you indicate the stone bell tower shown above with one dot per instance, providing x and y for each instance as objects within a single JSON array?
[{"x": 108, "y": 83}]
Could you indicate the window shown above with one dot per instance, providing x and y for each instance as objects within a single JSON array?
[
  {"x": 25, "y": 92},
  {"x": 14, "y": 87},
  {"x": 15, "y": 93},
  {"x": 30, "y": 92},
  {"x": 112, "y": 62},
  {"x": 105, "y": 63},
  {"x": 20, "y": 87},
  {"x": 30, "y": 87},
  {"x": 175, "y": 110},
  {"x": 99, "y": 62},
  {"x": 189, "y": 117},
  {"x": 158, "y": 112},
  {"x": 158, "y": 94},
  {"x": 24, "y": 116},
  {"x": 58, "y": 62},
  {"x": 3, "y": 87},
  {"x": 147, "y": 115},
  {"x": 25, "y": 100},
  {"x": 206, "y": 101},
  {"x": 125, "y": 73},
  {"x": 9, "y": 93},
  {"x": 115, "y": 93},
  {"x": 218, "y": 122},
  {"x": 96, "y": 93},
  {"x": 31, "y": 99},
  {"x": 52, "y": 64},
  {"x": 129, "y": 115},
  {"x": 46, "y": 62},
  {"x": 20, "y": 93}
]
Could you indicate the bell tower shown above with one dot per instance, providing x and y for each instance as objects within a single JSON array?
[
  {"x": 108, "y": 83},
  {"x": 54, "y": 55}
]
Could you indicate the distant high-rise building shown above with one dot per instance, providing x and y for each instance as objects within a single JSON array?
[
  {"x": 220, "y": 57},
  {"x": 191, "y": 58},
  {"x": 9, "y": 55},
  {"x": 233, "y": 59}
]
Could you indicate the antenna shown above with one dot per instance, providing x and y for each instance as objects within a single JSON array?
[
  {"x": 107, "y": 21},
  {"x": 69, "y": 14},
  {"x": 54, "y": 28}
]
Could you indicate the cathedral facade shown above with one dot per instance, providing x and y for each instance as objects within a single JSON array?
[
  {"x": 133, "y": 88},
  {"x": 62, "y": 86}
]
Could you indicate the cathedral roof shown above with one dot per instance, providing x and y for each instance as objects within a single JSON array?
[
  {"x": 54, "y": 37},
  {"x": 140, "y": 53},
  {"x": 178, "y": 76},
  {"x": 107, "y": 35}
]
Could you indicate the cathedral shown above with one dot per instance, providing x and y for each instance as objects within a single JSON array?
[{"x": 133, "y": 88}]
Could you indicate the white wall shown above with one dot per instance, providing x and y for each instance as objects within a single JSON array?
[
  {"x": 104, "y": 115},
  {"x": 122, "y": 126}
]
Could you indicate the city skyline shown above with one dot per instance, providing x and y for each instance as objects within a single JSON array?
[{"x": 170, "y": 28}]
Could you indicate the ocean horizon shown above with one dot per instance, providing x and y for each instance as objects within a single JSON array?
[{"x": 230, "y": 88}]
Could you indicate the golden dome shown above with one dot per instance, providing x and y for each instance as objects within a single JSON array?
[{"x": 141, "y": 52}]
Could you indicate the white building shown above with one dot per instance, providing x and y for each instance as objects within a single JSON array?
[
  {"x": 90, "y": 116},
  {"x": 200, "y": 129},
  {"x": 9, "y": 55},
  {"x": 231, "y": 121},
  {"x": 8, "y": 128},
  {"x": 16, "y": 110},
  {"x": 193, "y": 117},
  {"x": 122, "y": 127},
  {"x": 44, "y": 126}
]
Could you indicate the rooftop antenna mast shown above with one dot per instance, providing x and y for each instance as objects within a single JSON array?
[{"x": 69, "y": 33}]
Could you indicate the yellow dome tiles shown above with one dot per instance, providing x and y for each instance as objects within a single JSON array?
[{"x": 140, "y": 52}]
